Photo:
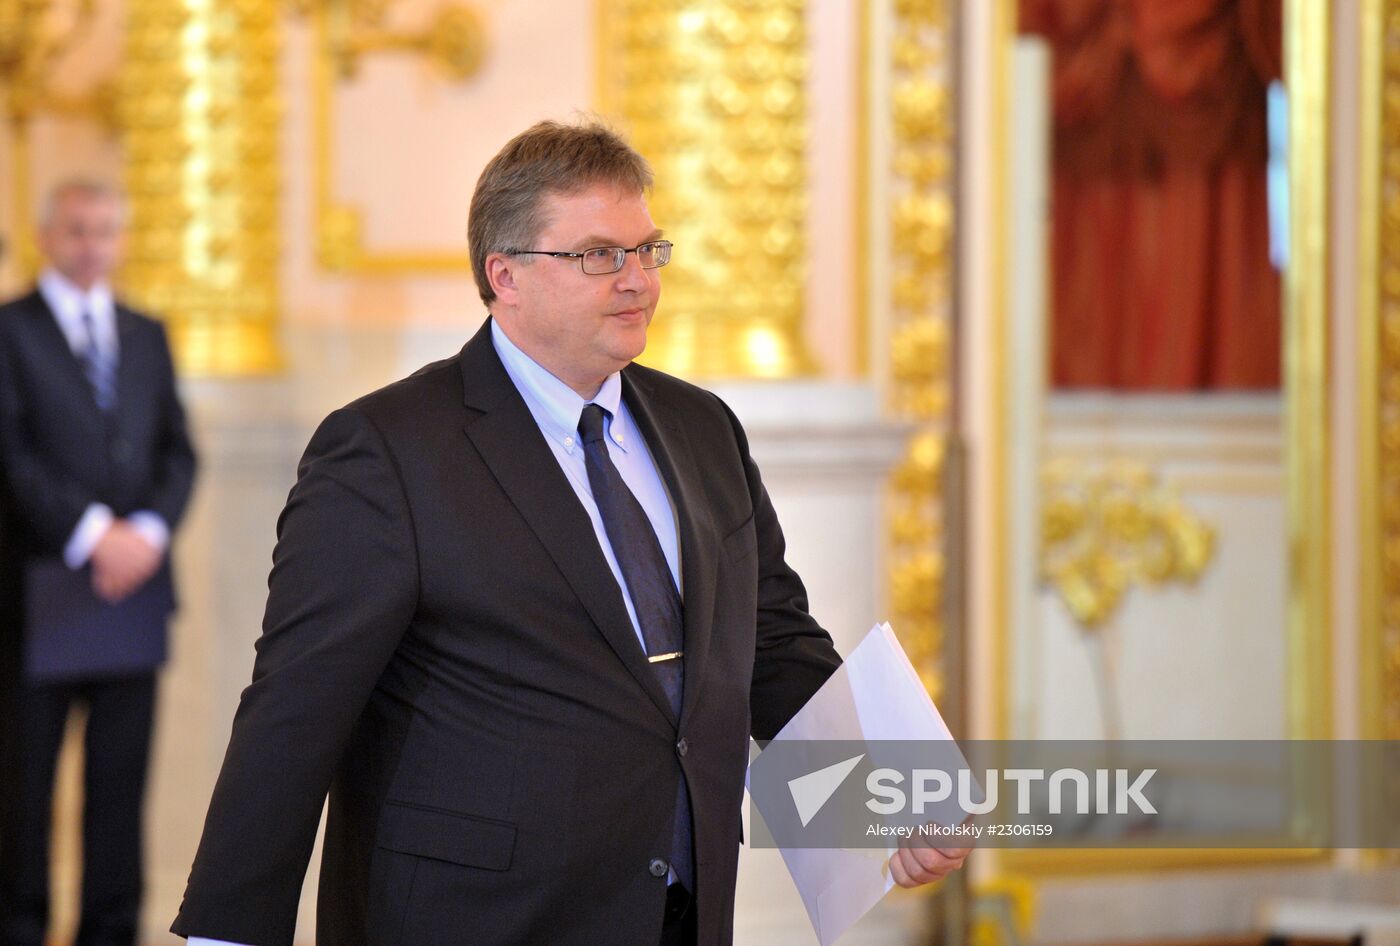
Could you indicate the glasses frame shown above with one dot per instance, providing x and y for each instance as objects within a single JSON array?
[{"x": 620, "y": 258}]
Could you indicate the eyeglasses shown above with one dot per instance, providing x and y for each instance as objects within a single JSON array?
[{"x": 604, "y": 260}]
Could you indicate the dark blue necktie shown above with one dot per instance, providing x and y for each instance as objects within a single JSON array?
[
  {"x": 652, "y": 589},
  {"x": 99, "y": 366}
]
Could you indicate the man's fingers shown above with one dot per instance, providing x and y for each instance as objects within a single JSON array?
[
  {"x": 918, "y": 865},
  {"x": 901, "y": 876},
  {"x": 907, "y": 870},
  {"x": 933, "y": 860},
  {"x": 107, "y": 588}
]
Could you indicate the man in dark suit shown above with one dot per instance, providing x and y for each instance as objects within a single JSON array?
[
  {"x": 525, "y": 610},
  {"x": 97, "y": 471}
]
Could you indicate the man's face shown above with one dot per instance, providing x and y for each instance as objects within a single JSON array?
[
  {"x": 581, "y": 328},
  {"x": 83, "y": 239}
]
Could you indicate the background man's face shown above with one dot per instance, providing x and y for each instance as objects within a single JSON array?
[
  {"x": 83, "y": 239},
  {"x": 580, "y": 327}
]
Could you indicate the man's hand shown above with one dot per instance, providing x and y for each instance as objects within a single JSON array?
[
  {"x": 916, "y": 864},
  {"x": 122, "y": 562}
]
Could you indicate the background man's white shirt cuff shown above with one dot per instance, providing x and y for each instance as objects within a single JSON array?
[
  {"x": 89, "y": 531},
  {"x": 152, "y": 528}
]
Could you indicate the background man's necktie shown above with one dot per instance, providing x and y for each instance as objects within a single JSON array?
[
  {"x": 99, "y": 366},
  {"x": 653, "y": 591}
]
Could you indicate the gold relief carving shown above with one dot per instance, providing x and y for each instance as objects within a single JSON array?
[
  {"x": 1386, "y": 380},
  {"x": 202, "y": 113},
  {"x": 1106, "y": 530},
  {"x": 921, "y": 279},
  {"x": 455, "y": 42},
  {"x": 35, "y": 37},
  {"x": 713, "y": 94}
]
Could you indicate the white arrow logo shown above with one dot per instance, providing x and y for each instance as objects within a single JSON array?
[{"x": 810, "y": 792}]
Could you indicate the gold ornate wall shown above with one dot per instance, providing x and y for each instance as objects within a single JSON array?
[
  {"x": 201, "y": 111},
  {"x": 713, "y": 93},
  {"x": 1380, "y": 374},
  {"x": 921, "y": 181}
]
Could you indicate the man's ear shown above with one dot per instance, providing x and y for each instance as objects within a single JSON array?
[{"x": 500, "y": 273}]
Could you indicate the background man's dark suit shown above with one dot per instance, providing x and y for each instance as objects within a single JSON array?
[
  {"x": 59, "y": 455},
  {"x": 446, "y": 651}
]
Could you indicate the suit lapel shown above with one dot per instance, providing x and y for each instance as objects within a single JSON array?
[
  {"x": 506, "y": 436},
  {"x": 676, "y": 460},
  {"x": 131, "y": 367},
  {"x": 57, "y": 352}
]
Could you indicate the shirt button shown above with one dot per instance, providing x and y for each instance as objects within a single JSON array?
[
  {"x": 682, "y": 747},
  {"x": 568, "y": 441},
  {"x": 658, "y": 867}
]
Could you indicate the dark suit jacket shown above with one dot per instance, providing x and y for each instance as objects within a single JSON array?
[
  {"x": 446, "y": 651},
  {"x": 61, "y": 454}
]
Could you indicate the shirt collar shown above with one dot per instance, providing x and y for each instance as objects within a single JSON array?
[
  {"x": 556, "y": 406},
  {"x": 68, "y": 303}
]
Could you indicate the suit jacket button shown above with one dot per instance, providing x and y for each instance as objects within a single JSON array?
[
  {"x": 682, "y": 747},
  {"x": 658, "y": 867}
]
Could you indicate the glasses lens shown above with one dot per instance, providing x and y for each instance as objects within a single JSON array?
[
  {"x": 602, "y": 260},
  {"x": 655, "y": 254}
]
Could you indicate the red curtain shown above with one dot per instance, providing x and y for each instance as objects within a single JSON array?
[{"x": 1160, "y": 235}]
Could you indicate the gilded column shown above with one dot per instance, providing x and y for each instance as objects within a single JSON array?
[
  {"x": 922, "y": 230},
  {"x": 712, "y": 92},
  {"x": 1381, "y": 358},
  {"x": 201, "y": 99}
]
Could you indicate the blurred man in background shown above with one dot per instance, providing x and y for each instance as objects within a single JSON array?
[{"x": 97, "y": 469}]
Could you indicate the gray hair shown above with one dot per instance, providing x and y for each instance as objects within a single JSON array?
[{"x": 92, "y": 187}]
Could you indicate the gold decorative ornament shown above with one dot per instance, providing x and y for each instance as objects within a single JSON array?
[
  {"x": 1106, "y": 530},
  {"x": 1380, "y": 514},
  {"x": 921, "y": 287},
  {"x": 200, "y": 83},
  {"x": 454, "y": 42},
  {"x": 1379, "y": 395},
  {"x": 33, "y": 42},
  {"x": 712, "y": 92}
]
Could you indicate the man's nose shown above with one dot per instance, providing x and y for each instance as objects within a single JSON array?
[{"x": 632, "y": 277}]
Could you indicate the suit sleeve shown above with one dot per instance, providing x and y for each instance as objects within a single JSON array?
[
  {"x": 342, "y": 592},
  {"x": 793, "y": 655},
  {"x": 50, "y": 501},
  {"x": 175, "y": 464}
]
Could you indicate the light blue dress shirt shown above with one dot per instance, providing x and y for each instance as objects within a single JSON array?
[{"x": 556, "y": 408}]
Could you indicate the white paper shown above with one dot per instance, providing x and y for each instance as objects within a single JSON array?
[{"x": 875, "y": 695}]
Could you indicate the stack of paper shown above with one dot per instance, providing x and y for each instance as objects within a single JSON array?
[{"x": 876, "y": 695}]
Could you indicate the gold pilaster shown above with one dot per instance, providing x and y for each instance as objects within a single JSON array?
[
  {"x": 33, "y": 45},
  {"x": 712, "y": 92},
  {"x": 1380, "y": 358},
  {"x": 922, "y": 199},
  {"x": 202, "y": 111}
]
